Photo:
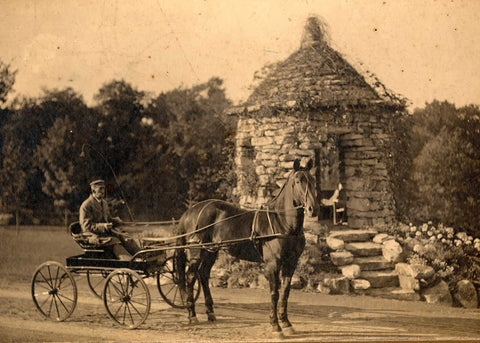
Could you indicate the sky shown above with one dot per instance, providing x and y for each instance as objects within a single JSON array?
[{"x": 421, "y": 49}]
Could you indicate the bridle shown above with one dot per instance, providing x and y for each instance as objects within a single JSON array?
[{"x": 307, "y": 187}]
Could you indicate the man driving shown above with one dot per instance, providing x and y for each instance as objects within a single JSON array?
[{"x": 97, "y": 223}]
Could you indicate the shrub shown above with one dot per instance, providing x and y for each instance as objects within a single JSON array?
[{"x": 453, "y": 254}]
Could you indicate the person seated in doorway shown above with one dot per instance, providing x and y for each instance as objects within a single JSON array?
[{"x": 97, "y": 222}]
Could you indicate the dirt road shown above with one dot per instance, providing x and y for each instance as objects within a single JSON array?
[{"x": 243, "y": 316}]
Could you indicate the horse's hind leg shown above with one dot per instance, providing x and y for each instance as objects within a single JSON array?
[
  {"x": 190, "y": 279},
  {"x": 208, "y": 259}
]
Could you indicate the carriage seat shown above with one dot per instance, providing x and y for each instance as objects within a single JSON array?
[{"x": 82, "y": 238}]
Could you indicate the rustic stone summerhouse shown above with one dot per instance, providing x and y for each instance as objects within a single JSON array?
[{"x": 316, "y": 105}]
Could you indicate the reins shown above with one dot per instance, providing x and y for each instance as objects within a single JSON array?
[{"x": 256, "y": 212}]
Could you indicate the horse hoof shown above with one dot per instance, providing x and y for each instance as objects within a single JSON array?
[
  {"x": 289, "y": 330},
  {"x": 193, "y": 321},
  {"x": 211, "y": 317},
  {"x": 278, "y": 334}
]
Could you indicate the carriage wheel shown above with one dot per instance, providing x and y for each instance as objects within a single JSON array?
[
  {"x": 168, "y": 285},
  {"x": 96, "y": 281},
  {"x": 54, "y": 291},
  {"x": 126, "y": 298}
]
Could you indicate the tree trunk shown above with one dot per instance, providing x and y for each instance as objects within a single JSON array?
[{"x": 17, "y": 219}]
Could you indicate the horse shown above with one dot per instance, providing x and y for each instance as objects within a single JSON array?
[{"x": 279, "y": 227}]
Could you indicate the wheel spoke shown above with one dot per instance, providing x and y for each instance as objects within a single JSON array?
[
  {"x": 124, "y": 313},
  {"x": 168, "y": 277},
  {"x": 62, "y": 279},
  {"x": 170, "y": 290},
  {"x": 129, "y": 313},
  {"x": 44, "y": 287},
  {"x": 48, "y": 297},
  {"x": 56, "y": 278},
  {"x": 138, "y": 302},
  {"x": 56, "y": 306},
  {"x": 48, "y": 283},
  {"x": 61, "y": 302},
  {"x": 133, "y": 306},
  {"x": 119, "y": 292},
  {"x": 63, "y": 296},
  {"x": 50, "y": 308},
  {"x": 118, "y": 309}
]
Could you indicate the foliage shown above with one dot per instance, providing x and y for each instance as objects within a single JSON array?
[
  {"x": 436, "y": 165},
  {"x": 7, "y": 80},
  {"x": 58, "y": 154},
  {"x": 453, "y": 254}
]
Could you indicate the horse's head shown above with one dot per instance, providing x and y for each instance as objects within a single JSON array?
[{"x": 304, "y": 190}]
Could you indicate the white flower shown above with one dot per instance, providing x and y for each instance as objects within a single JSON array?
[
  {"x": 440, "y": 236},
  {"x": 418, "y": 233},
  {"x": 430, "y": 233},
  {"x": 461, "y": 235},
  {"x": 424, "y": 227},
  {"x": 413, "y": 228}
]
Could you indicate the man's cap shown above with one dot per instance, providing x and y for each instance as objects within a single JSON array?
[{"x": 98, "y": 182}]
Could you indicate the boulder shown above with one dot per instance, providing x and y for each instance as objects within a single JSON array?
[
  {"x": 335, "y": 243},
  {"x": 341, "y": 258},
  {"x": 297, "y": 282},
  {"x": 391, "y": 250},
  {"x": 380, "y": 238},
  {"x": 262, "y": 282},
  {"x": 408, "y": 283},
  {"x": 311, "y": 238},
  {"x": 351, "y": 271},
  {"x": 417, "y": 271},
  {"x": 364, "y": 248},
  {"x": 339, "y": 285},
  {"x": 438, "y": 294},
  {"x": 323, "y": 289},
  {"x": 360, "y": 284},
  {"x": 466, "y": 294}
]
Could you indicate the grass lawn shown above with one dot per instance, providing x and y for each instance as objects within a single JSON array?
[{"x": 22, "y": 252}]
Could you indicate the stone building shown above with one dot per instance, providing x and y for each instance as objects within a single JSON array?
[{"x": 316, "y": 105}]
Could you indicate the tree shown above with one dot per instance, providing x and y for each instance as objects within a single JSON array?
[
  {"x": 447, "y": 171},
  {"x": 186, "y": 149},
  {"x": 7, "y": 80},
  {"x": 59, "y": 153}
]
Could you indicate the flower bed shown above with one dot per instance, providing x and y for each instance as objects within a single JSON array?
[{"x": 453, "y": 254}]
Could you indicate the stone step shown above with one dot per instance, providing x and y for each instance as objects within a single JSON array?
[
  {"x": 390, "y": 293},
  {"x": 373, "y": 263},
  {"x": 353, "y": 235},
  {"x": 380, "y": 279},
  {"x": 364, "y": 248}
]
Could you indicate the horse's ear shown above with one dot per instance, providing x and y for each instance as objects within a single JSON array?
[
  {"x": 296, "y": 164},
  {"x": 309, "y": 164}
]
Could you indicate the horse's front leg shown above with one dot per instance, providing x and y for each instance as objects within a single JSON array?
[
  {"x": 272, "y": 273},
  {"x": 287, "y": 273},
  {"x": 288, "y": 268}
]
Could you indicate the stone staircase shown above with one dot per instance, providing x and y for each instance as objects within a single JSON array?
[
  {"x": 364, "y": 248},
  {"x": 368, "y": 256}
]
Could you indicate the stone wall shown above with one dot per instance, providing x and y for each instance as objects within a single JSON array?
[{"x": 267, "y": 145}]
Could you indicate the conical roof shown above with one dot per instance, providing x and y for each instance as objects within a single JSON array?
[{"x": 317, "y": 76}]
